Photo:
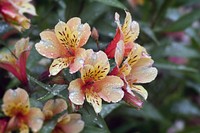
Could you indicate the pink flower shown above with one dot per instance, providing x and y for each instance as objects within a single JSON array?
[
  {"x": 16, "y": 106},
  {"x": 128, "y": 32},
  {"x": 64, "y": 45},
  {"x": 94, "y": 83},
  {"x": 13, "y": 10},
  {"x": 136, "y": 68},
  {"x": 15, "y": 62},
  {"x": 67, "y": 123}
]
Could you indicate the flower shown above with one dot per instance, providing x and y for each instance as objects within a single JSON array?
[
  {"x": 136, "y": 68},
  {"x": 13, "y": 10},
  {"x": 64, "y": 45},
  {"x": 16, "y": 106},
  {"x": 15, "y": 61},
  {"x": 128, "y": 32},
  {"x": 94, "y": 83},
  {"x": 134, "y": 3},
  {"x": 67, "y": 123},
  {"x": 3, "y": 124}
]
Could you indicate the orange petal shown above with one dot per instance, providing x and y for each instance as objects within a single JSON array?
[
  {"x": 75, "y": 93},
  {"x": 49, "y": 46},
  {"x": 59, "y": 64},
  {"x": 75, "y": 125},
  {"x": 93, "y": 98},
  {"x": 110, "y": 88},
  {"x": 15, "y": 101},
  {"x": 79, "y": 59},
  {"x": 140, "y": 90},
  {"x": 55, "y": 106},
  {"x": 35, "y": 119}
]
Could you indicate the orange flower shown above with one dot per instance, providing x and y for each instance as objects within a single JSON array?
[
  {"x": 67, "y": 123},
  {"x": 13, "y": 10},
  {"x": 137, "y": 68},
  {"x": 94, "y": 83},
  {"x": 15, "y": 62},
  {"x": 64, "y": 45},
  {"x": 16, "y": 106},
  {"x": 128, "y": 32}
]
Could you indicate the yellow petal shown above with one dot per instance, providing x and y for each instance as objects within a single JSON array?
[
  {"x": 87, "y": 73},
  {"x": 110, "y": 88},
  {"x": 15, "y": 102},
  {"x": 59, "y": 64},
  {"x": 75, "y": 93},
  {"x": 24, "y": 128},
  {"x": 35, "y": 119},
  {"x": 93, "y": 98},
  {"x": 140, "y": 90},
  {"x": 26, "y": 7},
  {"x": 66, "y": 37},
  {"x": 49, "y": 45},
  {"x": 83, "y": 30},
  {"x": 55, "y": 106}
]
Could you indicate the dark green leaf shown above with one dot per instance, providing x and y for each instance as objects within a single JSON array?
[
  {"x": 108, "y": 108},
  {"x": 114, "y": 3},
  {"x": 183, "y": 22}
]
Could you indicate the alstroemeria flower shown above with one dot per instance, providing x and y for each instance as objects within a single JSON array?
[
  {"x": 136, "y": 68},
  {"x": 67, "y": 123},
  {"x": 3, "y": 124},
  {"x": 16, "y": 106},
  {"x": 94, "y": 83},
  {"x": 13, "y": 10},
  {"x": 15, "y": 61},
  {"x": 64, "y": 45},
  {"x": 128, "y": 32}
]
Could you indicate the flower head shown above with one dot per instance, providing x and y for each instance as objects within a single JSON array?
[
  {"x": 128, "y": 32},
  {"x": 94, "y": 83},
  {"x": 13, "y": 10},
  {"x": 136, "y": 68},
  {"x": 67, "y": 123},
  {"x": 16, "y": 106},
  {"x": 15, "y": 61},
  {"x": 64, "y": 45}
]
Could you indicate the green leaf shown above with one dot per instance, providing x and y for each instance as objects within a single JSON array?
[
  {"x": 174, "y": 67},
  {"x": 113, "y": 3},
  {"x": 149, "y": 32},
  {"x": 93, "y": 121},
  {"x": 183, "y": 22},
  {"x": 185, "y": 107},
  {"x": 50, "y": 125},
  {"x": 108, "y": 108},
  {"x": 5, "y": 30},
  {"x": 92, "y": 11},
  {"x": 183, "y": 51}
]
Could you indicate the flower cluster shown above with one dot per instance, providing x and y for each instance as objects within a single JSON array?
[
  {"x": 97, "y": 81},
  {"x": 12, "y": 11}
]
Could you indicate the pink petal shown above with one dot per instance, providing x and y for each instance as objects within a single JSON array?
[
  {"x": 110, "y": 88},
  {"x": 75, "y": 93}
]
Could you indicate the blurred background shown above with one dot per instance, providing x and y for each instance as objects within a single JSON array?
[{"x": 169, "y": 30}]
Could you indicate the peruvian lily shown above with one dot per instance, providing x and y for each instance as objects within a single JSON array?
[
  {"x": 67, "y": 123},
  {"x": 13, "y": 10},
  {"x": 128, "y": 32},
  {"x": 3, "y": 124},
  {"x": 94, "y": 83},
  {"x": 15, "y": 61},
  {"x": 16, "y": 106},
  {"x": 64, "y": 45},
  {"x": 136, "y": 68}
]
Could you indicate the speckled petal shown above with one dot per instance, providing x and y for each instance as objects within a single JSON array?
[{"x": 59, "y": 64}]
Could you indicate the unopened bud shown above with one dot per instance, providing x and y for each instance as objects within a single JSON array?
[{"x": 95, "y": 34}]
